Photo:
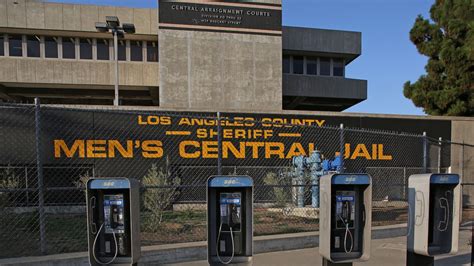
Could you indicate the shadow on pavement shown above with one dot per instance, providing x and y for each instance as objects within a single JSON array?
[{"x": 464, "y": 259}]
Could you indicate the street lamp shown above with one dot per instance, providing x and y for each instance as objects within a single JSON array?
[{"x": 112, "y": 25}]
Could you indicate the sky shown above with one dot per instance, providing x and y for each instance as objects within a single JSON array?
[{"x": 388, "y": 57}]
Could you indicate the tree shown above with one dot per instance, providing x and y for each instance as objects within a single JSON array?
[
  {"x": 160, "y": 190},
  {"x": 281, "y": 196},
  {"x": 448, "y": 40},
  {"x": 8, "y": 181}
]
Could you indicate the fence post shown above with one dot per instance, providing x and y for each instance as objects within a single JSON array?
[
  {"x": 462, "y": 163},
  {"x": 440, "y": 143},
  {"x": 27, "y": 188},
  {"x": 342, "y": 147},
  {"x": 219, "y": 144},
  {"x": 425, "y": 153},
  {"x": 405, "y": 183},
  {"x": 39, "y": 168}
]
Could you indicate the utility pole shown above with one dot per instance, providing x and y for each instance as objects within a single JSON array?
[{"x": 112, "y": 25}]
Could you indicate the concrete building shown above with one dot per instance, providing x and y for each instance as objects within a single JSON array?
[{"x": 53, "y": 51}]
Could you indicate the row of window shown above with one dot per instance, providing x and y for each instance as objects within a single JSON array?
[
  {"x": 309, "y": 65},
  {"x": 76, "y": 48}
]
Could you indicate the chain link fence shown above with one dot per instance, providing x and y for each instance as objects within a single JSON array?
[{"x": 48, "y": 153}]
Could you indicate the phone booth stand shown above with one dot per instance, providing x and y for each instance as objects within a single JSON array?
[
  {"x": 345, "y": 218},
  {"x": 230, "y": 220},
  {"x": 113, "y": 224},
  {"x": 433, "y": 223}
]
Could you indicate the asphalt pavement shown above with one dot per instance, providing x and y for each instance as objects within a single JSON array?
[{"x": 385, "y": 252}]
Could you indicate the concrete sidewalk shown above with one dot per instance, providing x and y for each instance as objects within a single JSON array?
[{"x": 383, "y": 252}]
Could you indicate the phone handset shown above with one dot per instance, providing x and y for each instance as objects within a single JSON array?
[
  {"x": 92, "y": 215},
  {"x": 443, "y": 225},
  {"x": 420, "y": 200},
  {"x": 235, "y": 215},
  {"x": 346, "y": 211},
  {"x": 116, "y": 217}
]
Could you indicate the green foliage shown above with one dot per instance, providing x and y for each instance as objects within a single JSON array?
[
  {"x": 160, "y": 190},
  {"x": 447, "y": 40},
  {"x": 281, "y": 196},
  {"x": 82, "y": 182},
  {"x": 8, "y": 180}
]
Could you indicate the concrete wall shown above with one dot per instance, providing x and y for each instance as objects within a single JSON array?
[
  {"x": 34, "y": 14},
  {"x": 345, "y": 44},
  {"x": 462, "y": 157},
  {"x": 76, "y": 72},
  {"x": 223, "y": 70},
  {"x": 324, "y": 87}
]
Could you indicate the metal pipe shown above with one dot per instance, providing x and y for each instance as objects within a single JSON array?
[
  {"x": 116, "y": 98},
  {"x": 315, "y": 166},
  {"x": 342, "y": 147},
  {"x": 440, "y": 143},
  {"x": 299, "y": 165},
  {"x": 300, "y": 182},
  {"x": 39, "y": 167},
  {"x": 425, "y": 153},
  {"x": 314, "y": 189},
  {"x": 219, "y": 145}
]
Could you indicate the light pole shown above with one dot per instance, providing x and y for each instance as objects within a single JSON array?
[{"x": 112, "y": 25}]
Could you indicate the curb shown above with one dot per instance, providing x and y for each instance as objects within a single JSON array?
[{"x": 175, "y": 253}]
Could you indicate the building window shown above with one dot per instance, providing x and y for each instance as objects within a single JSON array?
[
  {"x": 152, "y": 52},
  {"x": 338, "y": 67},
  {"x": 311, "y": 66},
  {"x": 103, "y": 51},
  {"x": 15, "y": 45},
  {"x": 85, "y": 48},
  {"x": 286, "y": 64},
  {"x": 51, "y": 47},
  {"x": 325, "y": 66},
  {"x": 136, "y": 51},
  {"x": 33, "y": 46},
  {"x": 298, "y": 65},
  {"x": 69, "y": 48},
  {"x": 122, "y": 51},
  {"x": 2, "y": 46}
]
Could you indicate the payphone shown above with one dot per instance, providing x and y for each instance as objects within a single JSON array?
[
  {"x": 433, "y": 223},
  {"x": 113, "y": 226},
  {"x": 230, "y": 211},
  {"x": 345, "y": 218}
]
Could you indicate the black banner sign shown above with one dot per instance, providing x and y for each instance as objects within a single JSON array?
[
  {"x": 111, "y": 140},
  {"x": 77, "y": 143},
  {"x": 237, "y": 17}
]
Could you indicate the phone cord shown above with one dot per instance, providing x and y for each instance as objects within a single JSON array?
[
  {"x": 348, "y": 232},
  {"x": 217, "y": 246},
  {"x": 93, "y": 248}
]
